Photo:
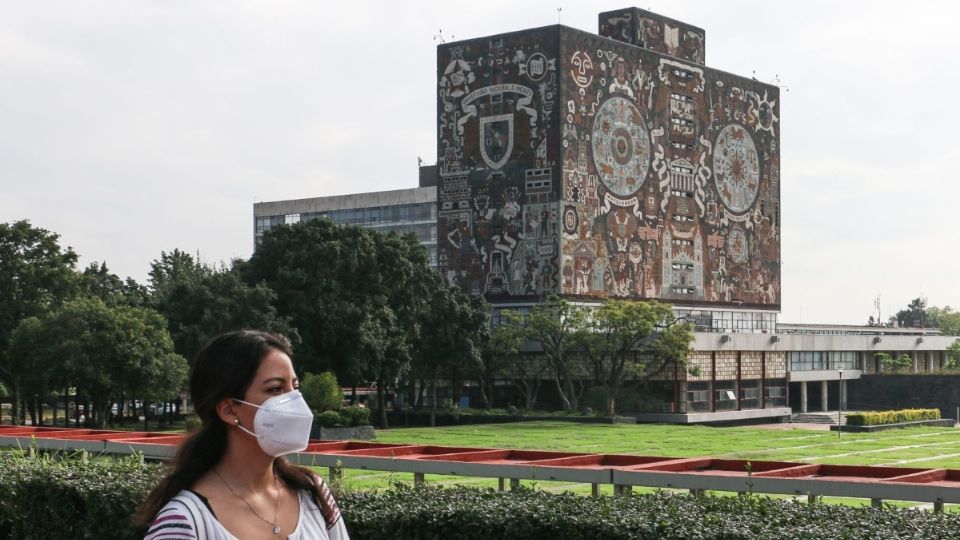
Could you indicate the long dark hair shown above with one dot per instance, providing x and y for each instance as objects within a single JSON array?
[{"x": 224, "y": 368}]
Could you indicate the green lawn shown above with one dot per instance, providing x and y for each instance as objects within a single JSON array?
[{"x": 914, "y": 447}]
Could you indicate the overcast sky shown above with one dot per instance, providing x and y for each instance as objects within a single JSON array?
[{"x": 132, "y": 127}]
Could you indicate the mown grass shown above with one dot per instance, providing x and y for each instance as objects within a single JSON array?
[{"x": 913, "y": 447}]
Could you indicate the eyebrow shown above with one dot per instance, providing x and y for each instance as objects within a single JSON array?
[{"x": 279, "y": 379}]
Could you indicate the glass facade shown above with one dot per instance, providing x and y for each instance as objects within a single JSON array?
[
  {"x": 821, "y": 360},
  {"x": 729, "y": 321},
  {"x": 419, "y": 219}
]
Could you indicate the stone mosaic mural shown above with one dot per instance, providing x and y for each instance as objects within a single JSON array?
[{"x": 593, "y": 167}]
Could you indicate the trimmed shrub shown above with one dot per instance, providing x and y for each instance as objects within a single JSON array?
[
  {"x": 474, "y": 514},
  {"x": 876, "y": 418},
  {"x": 327, "y": 419},
  {"x": 354, "y": 416},
  {"x": 322, "y": 392},
  {"x": 52, "y": 498}
]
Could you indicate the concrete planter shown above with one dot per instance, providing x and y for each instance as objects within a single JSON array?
[
  {"x": 358, "y": 433},
  {"x": 944, "y": 422}
]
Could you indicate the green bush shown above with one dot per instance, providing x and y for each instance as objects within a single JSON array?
[
  {"x": 475, "y": 514},
  {"x": 327, "y": 419},
  {"x": 191, "y": 423},
  {"x": 876, "y": 418},
  {"x": 59, "y": 498},
  {"x": 355, "y": 416},
  {"x": 54, "y": 498},
  {"x": 322, "y": 392}
]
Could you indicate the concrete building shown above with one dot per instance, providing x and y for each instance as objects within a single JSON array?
[{"x": 402, "y": 211}]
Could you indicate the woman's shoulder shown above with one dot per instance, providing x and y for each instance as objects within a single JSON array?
[{"x": 182, "y": 518}]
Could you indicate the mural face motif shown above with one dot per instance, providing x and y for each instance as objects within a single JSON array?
[
  {"x": 736, "y": 168},
  {"x": 621, "y": 146}
]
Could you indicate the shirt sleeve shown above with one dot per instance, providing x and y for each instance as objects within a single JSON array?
[{"x": 173, "y": 522}]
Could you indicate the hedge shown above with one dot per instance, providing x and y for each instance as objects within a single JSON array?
[
  {"x": 877, "y": 418},
  {"x": 53, "y": 499}
]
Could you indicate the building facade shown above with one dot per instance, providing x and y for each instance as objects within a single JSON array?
[
  {"x": 612, "y": 165},
  {"x": 402, "y": 211}
]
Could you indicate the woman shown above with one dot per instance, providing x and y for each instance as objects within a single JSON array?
[{"x": 229, "y": 480}]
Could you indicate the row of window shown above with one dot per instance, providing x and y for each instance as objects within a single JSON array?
[
  {"x": 730, "y": 321},
  {"x": 822, "y": 360},
  {"x": 378, "y": 214}
]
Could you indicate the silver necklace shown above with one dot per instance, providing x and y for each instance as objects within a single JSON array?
[{"x": 275, "y": 524}]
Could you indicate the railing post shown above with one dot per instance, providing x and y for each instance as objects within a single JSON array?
[
  {"x": 938, "y": 506},
  {"x": 501, "y": 484},
  {"x": 514, "y": 484},
  {"x": 876, "y": 503},
  {"x": 595, "y": 490},
  {"x": 813, "y": 498},
  {"x": 418, "y": 479}
]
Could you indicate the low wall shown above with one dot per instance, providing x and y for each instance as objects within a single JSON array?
[{"x": 884, "y": 392}]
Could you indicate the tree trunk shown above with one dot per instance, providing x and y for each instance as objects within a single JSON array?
[
  {"x": 54, "y": 409},
  {"x": 611, "y": 403},
  {"x": 76, "y": 408},
  {"x": 66, "y": 407},
  {"x": 433, "y": 406},
  {"x": 562, "y": 394},
  {"x": 483, "y": 392},
  {"x": 421, "y": 390},
  {"x": 14, "y": 406},
  {"x": 382, "y": 404}
]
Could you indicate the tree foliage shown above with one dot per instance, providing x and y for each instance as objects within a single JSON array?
[
  {"x": 953, "y": 356},
  {"x": 36, "y": 275},
  {"x": 106, "y": 352},
  {"x": 554, "y": 324},
  {"x": 200, "y": 302},
  {"x": 322, "y": 391},
  {"x": 894, "y": 364},
  {"x": 624, "y": 338}
]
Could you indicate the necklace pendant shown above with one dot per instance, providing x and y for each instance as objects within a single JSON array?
[{"x": 276, "y": 530}]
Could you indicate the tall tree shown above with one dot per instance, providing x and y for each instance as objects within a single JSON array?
[
  {"x": 554, "y": 324},
  {"x": 96, "y": 280},
  {"x": 454, "y": 328},
  {"x": 341, "y": 286},
  {"x": 914, "y": 316},
  {"x": 200, "y": 302},
  {"x": 625, "y": 338},
  {"x": 36, "y": 275},
  {"x": 503, "y": 355},
  {"x": 106, "y": 352}
]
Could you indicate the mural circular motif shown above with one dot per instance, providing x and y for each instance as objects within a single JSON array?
[
  {"x": 737, "y": 246},
  {"x": 621, "y": 146},
  {"x": 736, "y": 168}
]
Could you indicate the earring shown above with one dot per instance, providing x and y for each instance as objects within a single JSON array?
[{"x": 236, "y": 421}]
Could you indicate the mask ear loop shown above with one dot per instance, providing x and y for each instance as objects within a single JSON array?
[{"x": 236, "y": 421}]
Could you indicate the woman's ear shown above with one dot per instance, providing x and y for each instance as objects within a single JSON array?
[{"x": 226, "y": 410}]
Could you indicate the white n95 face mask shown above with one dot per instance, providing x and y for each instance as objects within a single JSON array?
[{"x": 282, "y": 424}]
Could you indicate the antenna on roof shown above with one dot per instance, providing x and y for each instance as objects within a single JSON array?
[
  {"x": 559, "y": 10},
  {"x": 776, "y": 82}
]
